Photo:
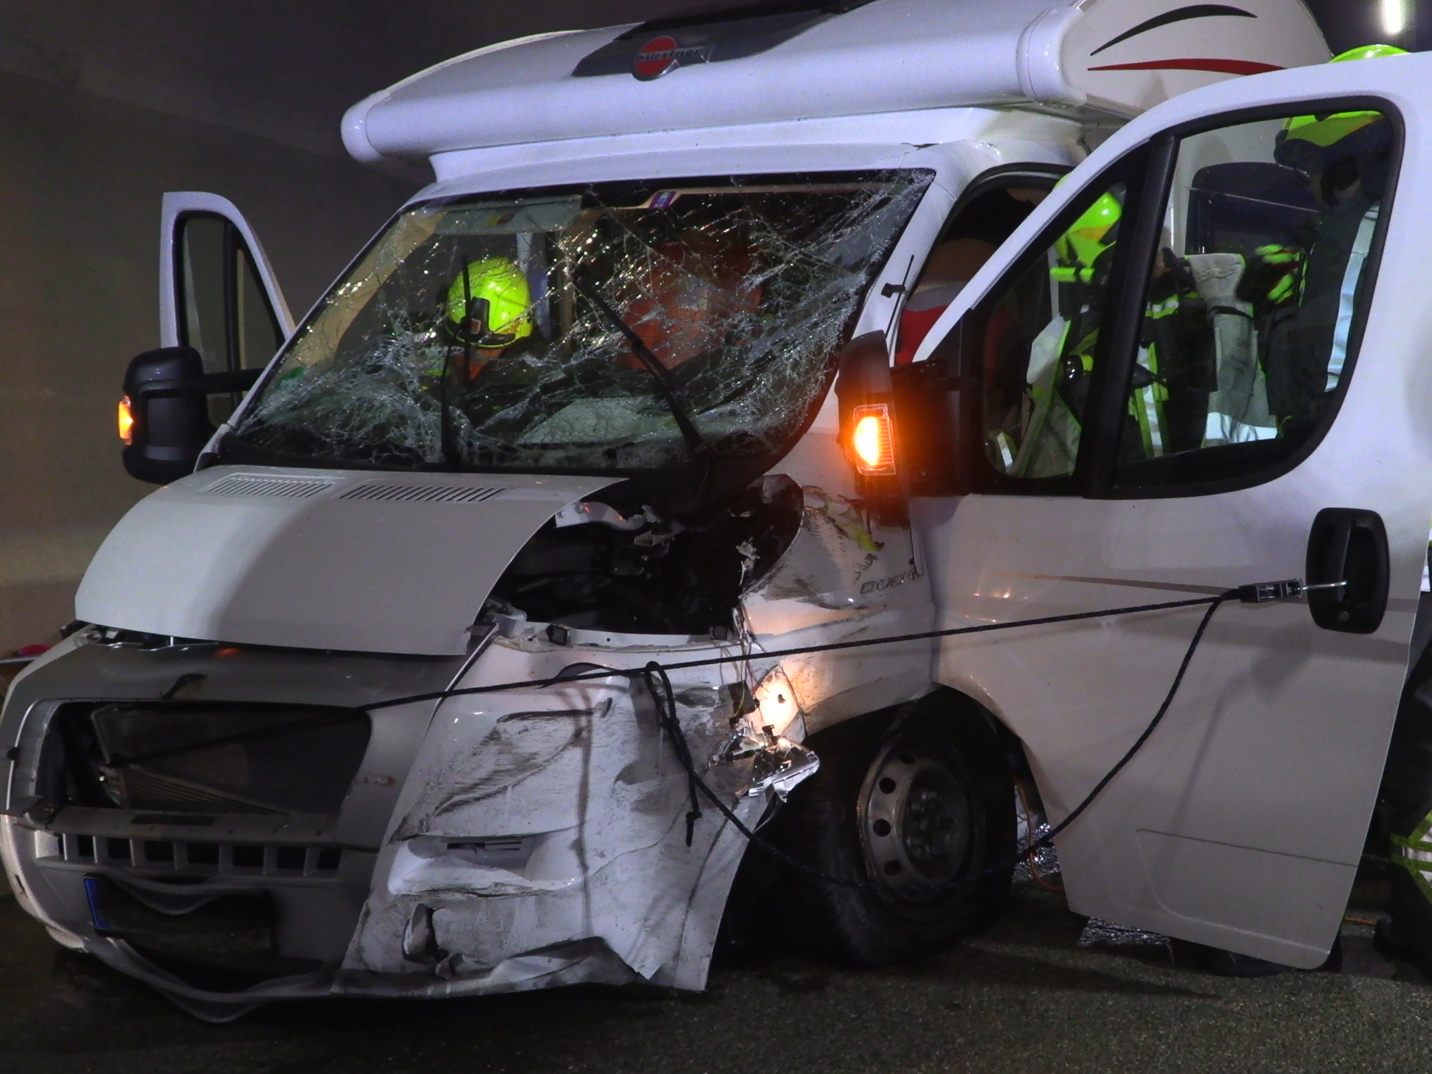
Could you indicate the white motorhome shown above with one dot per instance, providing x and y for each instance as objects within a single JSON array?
[{"x": 365, "y": 703}]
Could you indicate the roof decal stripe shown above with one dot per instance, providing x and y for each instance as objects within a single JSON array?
[
  {"x": 1222, "y": 67},
  {"x": 1193, "y": 11}
]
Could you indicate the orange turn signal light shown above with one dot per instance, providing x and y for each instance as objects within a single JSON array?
[
  {"x": 872, "y": 440},
  {"x": 126, "y": 420}
]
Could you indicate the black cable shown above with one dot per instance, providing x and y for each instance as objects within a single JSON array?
[
  {"x": 654, "y": 673},
  {"x": 1047, "y": 839},
  {"x": 779, "y": 654}
]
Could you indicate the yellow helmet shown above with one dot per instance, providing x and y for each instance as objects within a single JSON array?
[
  {"x": 1087, "y": 239},
  {"x": 490, "y": 305},
  {"x": 1311, "y": 143}
]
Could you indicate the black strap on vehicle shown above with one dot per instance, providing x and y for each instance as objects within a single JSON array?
[
  {"x": 654, "y": 674},
  {"x": 655, "y": 677}
]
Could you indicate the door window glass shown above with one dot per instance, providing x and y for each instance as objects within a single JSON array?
[
  {"x": 1038, "y": 346},
  {"x": 1255, "y": 296},
  {"x": 226, "y": 313},
  {"x": 202, "y": 271}
]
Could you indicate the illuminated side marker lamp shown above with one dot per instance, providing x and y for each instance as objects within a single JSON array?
[
  {"x": 125, "y": 419},
  {"x": 872, "y": 440}
]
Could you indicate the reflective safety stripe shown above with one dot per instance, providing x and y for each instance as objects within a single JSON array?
[
  {"x": 1283, "y": 290},
  {"x": 1147, "y": 405},
  {"x": 1006, "y": 450},
  {"x": 1414, "y": 853},
  {"x": 1222, "y": 429},
  {"x": 1286, "y": 286},
  {"x": 1166, "y": 308},
  {"x": 1361, "y": 246}
]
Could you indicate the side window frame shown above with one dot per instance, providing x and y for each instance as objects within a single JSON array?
[
  {"x": 233, "y": 245},
  {"x": 1147, "y": 172},
  {"x": 961, "y": 352},
  {"x": 1104, "y": 484}
]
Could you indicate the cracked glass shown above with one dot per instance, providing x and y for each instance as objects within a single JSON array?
[{"x": 616, "y": 328}]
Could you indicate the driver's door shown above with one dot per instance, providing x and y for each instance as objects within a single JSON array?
[
  {"x": 1127, "y": 445},
  {"x": 218, "y": 294}
]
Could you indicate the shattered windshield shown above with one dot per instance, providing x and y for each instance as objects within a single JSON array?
[{"x": 613, "y": 328}]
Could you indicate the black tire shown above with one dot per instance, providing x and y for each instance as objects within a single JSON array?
[{"x": 921, "y": 815}]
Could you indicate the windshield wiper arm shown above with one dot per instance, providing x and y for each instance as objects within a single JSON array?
[
  {"x": 689, "y": 432},
  {"x": 452, "y": 457}
]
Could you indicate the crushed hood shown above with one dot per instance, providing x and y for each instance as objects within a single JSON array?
[{"x": 317, "y": 559}]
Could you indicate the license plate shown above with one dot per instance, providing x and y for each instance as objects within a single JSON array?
[{"x": 183, "y": 923}]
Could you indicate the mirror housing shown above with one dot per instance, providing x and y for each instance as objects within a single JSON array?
[
  {"x": 865, "y": 396},
  {"x": 935, "y": 401},
  {"x": 166, "y": 392}
]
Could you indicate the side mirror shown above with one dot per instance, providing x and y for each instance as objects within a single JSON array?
[
  {"x": 935, "y": 401},
  {"x": 168, "y": 418},
  {"x": 867, "y": 424}
]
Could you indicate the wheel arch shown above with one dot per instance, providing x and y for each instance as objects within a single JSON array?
[{"x": 943, "y": 702}]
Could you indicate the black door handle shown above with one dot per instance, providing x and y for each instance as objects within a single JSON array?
[{"x": 1348, "y": 545}]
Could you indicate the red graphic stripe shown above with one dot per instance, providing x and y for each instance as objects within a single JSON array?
[{"x": 1222, "y": 67}]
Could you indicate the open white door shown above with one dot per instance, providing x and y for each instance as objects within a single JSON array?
[
  {"x": 1111, "y": 464},
  {"x": 217, "y": 291}
]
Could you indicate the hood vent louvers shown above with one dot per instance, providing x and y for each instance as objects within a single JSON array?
[
  {"x": 254, "y": 485},
  {"x": 394, "y": 493}
]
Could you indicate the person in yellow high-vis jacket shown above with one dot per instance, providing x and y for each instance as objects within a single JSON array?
[{"x": 1062, "y": 357}]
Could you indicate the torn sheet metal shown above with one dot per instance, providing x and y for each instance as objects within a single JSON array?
[
  {"x": 541, "y": 833},
  {"x": 841, "y": 563}
]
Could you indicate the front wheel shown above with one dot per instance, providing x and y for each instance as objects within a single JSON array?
[{"x": 919, "y": 823}]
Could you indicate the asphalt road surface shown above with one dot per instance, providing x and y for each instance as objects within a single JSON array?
[{"x": 1024, "y": 996}]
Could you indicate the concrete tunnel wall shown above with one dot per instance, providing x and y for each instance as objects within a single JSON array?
[{"x": 106, "y": 104}]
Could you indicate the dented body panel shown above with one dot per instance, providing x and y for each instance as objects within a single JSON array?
[
  {"x": 490, "y": 841},
  {"x": 260, "y": 567}
]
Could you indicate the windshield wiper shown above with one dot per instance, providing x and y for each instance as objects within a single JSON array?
[
  {"x": 452, "y": 457},
  {"x": 694, "y": 441}
]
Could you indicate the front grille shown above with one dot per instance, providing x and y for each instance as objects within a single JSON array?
[
  {"x": 197, "y": 858},
  {"x": 205, "y": 759}
]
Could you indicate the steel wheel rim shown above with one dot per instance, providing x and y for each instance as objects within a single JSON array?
[{"x": 916, "y": 824}]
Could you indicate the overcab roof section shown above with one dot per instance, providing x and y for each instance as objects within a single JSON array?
[{"x": 1110, "y": 57}]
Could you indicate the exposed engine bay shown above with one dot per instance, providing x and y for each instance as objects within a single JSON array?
[{"x": 598, "y": 566}]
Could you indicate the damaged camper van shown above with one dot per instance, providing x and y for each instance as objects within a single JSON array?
[{"x": 561, "y": 546}]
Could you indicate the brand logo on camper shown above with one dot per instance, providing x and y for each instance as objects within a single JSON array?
[{"x": 662, "y": 54}]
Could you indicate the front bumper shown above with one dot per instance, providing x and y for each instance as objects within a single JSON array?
[{"x": 488, "y": 843}]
